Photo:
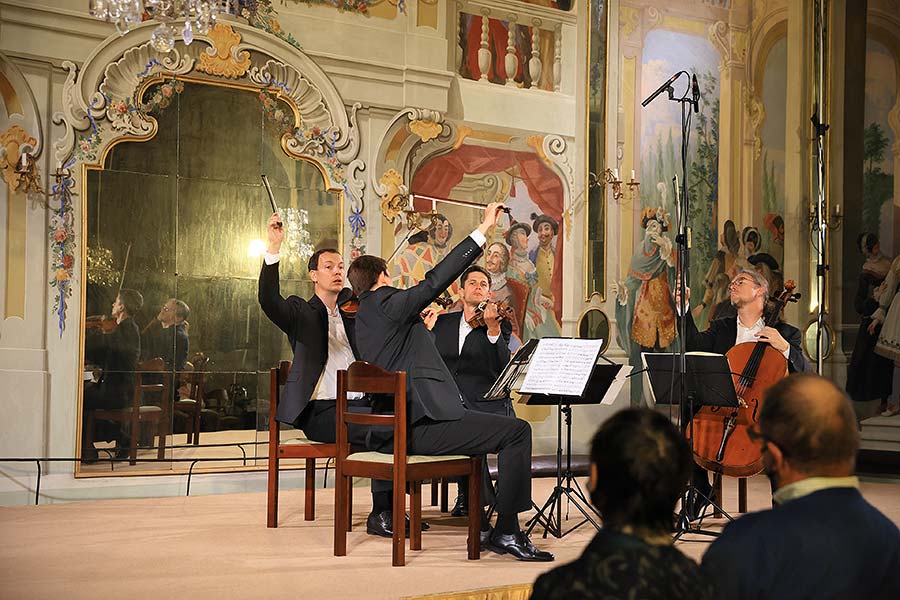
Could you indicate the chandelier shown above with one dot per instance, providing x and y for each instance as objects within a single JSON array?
[{"x": 198, "y": 15}]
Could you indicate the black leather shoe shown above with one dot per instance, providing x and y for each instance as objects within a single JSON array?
[
  {"x": 485, "y": 538},
  {"x": 382, "y": 524},
  {"x": 518, "y": 545},
  {"x": 460, "y": 509}
]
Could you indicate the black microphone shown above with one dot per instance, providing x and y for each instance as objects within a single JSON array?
[
  {"x": 661, "y": 88},
  {"x": 695, "y": 90}
]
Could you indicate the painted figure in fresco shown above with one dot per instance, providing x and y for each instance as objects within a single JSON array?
[
  {"x": 644, "y": 308},
  {"x": 775, "y": 225},
  {"x": 521, "y": 266},
  {"x": 544, "y": 256},
  {"x": 730, "y": 244},
  {"x": 750, "y": 241},
  {"x": 869, "y": 374},
  {"x": 887, "y": 315},
  {"x": 425, "y": 250},
  {"x": 515, "y": 293}
]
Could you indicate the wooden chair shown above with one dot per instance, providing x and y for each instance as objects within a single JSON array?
[
  {"x": 192, "y": 405},
  {"x": 139, "y": 411},
  {"x": 294, "y": 448},
  {"x": 399, "y": 467},
  {"x": 742, "y": 494}
]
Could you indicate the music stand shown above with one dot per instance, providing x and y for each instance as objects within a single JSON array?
[
  {"x": 707, "y": 381},
  {"x": 561, "y": 372}
]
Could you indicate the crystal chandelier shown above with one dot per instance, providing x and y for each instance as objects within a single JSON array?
[
  {"x": 297, "y": 238},
  {"x": 198, "y": 15}
]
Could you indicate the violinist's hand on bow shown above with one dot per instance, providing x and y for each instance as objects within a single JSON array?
[
  {"x": 492, "y": 318},
  {"x": 429, "y": 316},
  {"x": 676, "y": 293},
  {"x": 275, "y": 231},
  {"x": 775, "y": 339},
  {"x": 491, "y": 215}
]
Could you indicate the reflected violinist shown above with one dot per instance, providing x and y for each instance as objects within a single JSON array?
[{"x": 116, "y": 349}]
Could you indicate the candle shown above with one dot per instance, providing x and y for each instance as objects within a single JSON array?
[
  {"x": 632, "y": 174},
  {"x": 616, "y": 174},
  {"x": 24, "y": 161},
  {"x": 837, "y": 210}
]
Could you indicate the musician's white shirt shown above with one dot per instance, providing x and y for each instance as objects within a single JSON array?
[{"x": 748, "y": 334}]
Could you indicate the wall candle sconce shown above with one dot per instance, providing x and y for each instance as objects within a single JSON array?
[
  {"x": 833, "y": 221},
  {"x": 611, "y": 177}
]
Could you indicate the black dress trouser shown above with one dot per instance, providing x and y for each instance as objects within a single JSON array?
[{"x": 477, "y": 433}]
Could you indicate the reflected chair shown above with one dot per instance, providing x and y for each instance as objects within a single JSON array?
[
  {"x": 293, "y": 448},
  {"x": 192, "y": 405},
  {"x": 400, "y": 467},
  {"x": 140, "y": 410}
]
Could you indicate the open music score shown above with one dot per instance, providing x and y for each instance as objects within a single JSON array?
[{"x": 561, "y": 366}]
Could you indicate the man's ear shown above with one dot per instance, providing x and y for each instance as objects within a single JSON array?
[
  {"x": 314, "y": 276},
  {"x": 776, "y": 454}
]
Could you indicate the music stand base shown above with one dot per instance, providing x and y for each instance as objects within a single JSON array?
[{"x": 683, "y": 523}]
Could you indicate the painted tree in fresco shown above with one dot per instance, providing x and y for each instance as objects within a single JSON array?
[
  {"x": 703, "y": 184},
  {"x": 877, "y": 185}
]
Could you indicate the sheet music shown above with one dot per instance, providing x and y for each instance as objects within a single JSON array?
[{"x": 561, "y": 366}]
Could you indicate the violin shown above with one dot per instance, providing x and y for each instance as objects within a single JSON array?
[
  {"x": 350, "y": 307},
  {"x": 100, "y": 323},
  {"x": 504, "y": 310},
  {"x": 721, "y": 439}
]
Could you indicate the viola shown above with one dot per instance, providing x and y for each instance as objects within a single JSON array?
[
  {"x": 720, "y": 438},
  {"x": 504, "y": 310}
]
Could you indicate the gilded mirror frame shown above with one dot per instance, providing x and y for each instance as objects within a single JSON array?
[
  {"x": 86, "y": 168},
  {"x": 584, "y": 315},
  {"x": 596, "y": 274}
]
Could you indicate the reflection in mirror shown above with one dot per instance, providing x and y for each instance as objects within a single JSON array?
[
  {"x": 173, "y": 250},
  {"x": 593, "y": 324},
  {"x": 809, "y": 340},
  {"x": 595, "y": 209}
]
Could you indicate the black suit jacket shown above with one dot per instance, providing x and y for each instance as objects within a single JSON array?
[
  {"x": 306, "y": 324},
  {"x": 391, "y": 334},
  {"x": 117, "y": 353},
  {"x": 480, "y": 363},
  {"x": 721, "y": 334}
]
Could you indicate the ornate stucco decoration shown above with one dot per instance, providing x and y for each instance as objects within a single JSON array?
[
  {"x": 223, "y": 58},
  {"x": 13, "y": 142},
  {"x": 426, "y": 129},
  {"x": 392, "y": 194},
  {"x": 103, "y": 101},
  {"x": 756, "y": 114}
]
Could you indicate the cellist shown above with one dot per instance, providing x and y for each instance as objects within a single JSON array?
[{"x": 749, "y": 291}]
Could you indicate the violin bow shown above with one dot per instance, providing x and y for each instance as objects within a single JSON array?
[
  {"x": 124, "y": 268},
  {"x": 265, "y": 181}
]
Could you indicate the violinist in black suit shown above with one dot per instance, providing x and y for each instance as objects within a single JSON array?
[
  {"x": 322, "y": 337},
  {"x": 116, "y": 351},
  {"x": 391, "y": 334},
  {"x": 749, "y": 291},
  {"x": 474, "y": 355}
]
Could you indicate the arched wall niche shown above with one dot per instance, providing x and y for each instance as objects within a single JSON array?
[{"x": 114, "y": 105}]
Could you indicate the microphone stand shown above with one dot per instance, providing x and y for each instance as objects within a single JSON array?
[{"x": 689, "y": 104}]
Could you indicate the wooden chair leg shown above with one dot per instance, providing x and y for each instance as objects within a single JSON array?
[
  {"x": 742, "y": 495},
  {"x": 415, "y": 515},
  {"x": 133, "y": 444},
  {"x": 398, "y": 540},
  {"x": 341, "y": 512},
  {"x": 161, "y": 432},
  {"x": 434, "y": 492},
  {"x": 350, "y": 504},
  {"x": 473, "y": 542},
  {"x": 88, "y": 439},
  {"x": 272, "y": 491},
  {"x": 445, "y": 492},
  {"x": 717, "y": 496},
  {"x": 310, "y": 490},
  {"x": 196, "y": 425}
]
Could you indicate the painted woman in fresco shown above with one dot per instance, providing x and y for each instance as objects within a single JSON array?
[
  {"x": 644, "y": 308},
  {"x": 869, "y": 374}
]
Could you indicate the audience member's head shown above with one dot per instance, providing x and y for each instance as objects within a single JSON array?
[
  {"x": 640, "y": 467},
  {"x": 808, "y": 429}
]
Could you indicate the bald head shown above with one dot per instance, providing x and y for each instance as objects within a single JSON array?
[{"x": 813, "y": 423}]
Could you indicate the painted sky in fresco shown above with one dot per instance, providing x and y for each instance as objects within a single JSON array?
[
  {"x": 664, "y": 53},
  {"x": 881, "y": 93}
]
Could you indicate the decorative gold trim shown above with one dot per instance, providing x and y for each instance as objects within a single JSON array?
[
  {"x": 12, "y": 141},
  {"x": 832, "y": 340},
  {"x": 464, "y": 132},
  {"x": 222, "y": 59},
  {"x": 391, "y": 200},
  {"x": 537, "y": 143},
  {"x": 426, "y": 129},
  {"x": 583, "y": 316}
]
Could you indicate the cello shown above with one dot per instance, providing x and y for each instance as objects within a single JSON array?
[{"x": 720, "y": 438}]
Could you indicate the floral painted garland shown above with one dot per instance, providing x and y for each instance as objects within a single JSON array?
[{"x": 62, "y": 245}]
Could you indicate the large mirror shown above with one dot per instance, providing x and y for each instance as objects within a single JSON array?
[
  {"x": 174, "y": 230},
  {"x": 595, "y": 208}
]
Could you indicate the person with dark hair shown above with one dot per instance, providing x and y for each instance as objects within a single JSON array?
[
  {"x": 392, "y": 335},
  {"x": 425, "y": 249},
  {"x": 640, "y": 466},
  {"x": 322, "y": 337},
  {"x": 475, "y": 356},
  {"x": 544, "y": 256},
  {"x": 821, "y": 539},
  {"x": 116, "y": 352},
  {"x": 167, "y": 335},
  {"x": 869, "y": 374},
  {"x": 749, "y": 292}
]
